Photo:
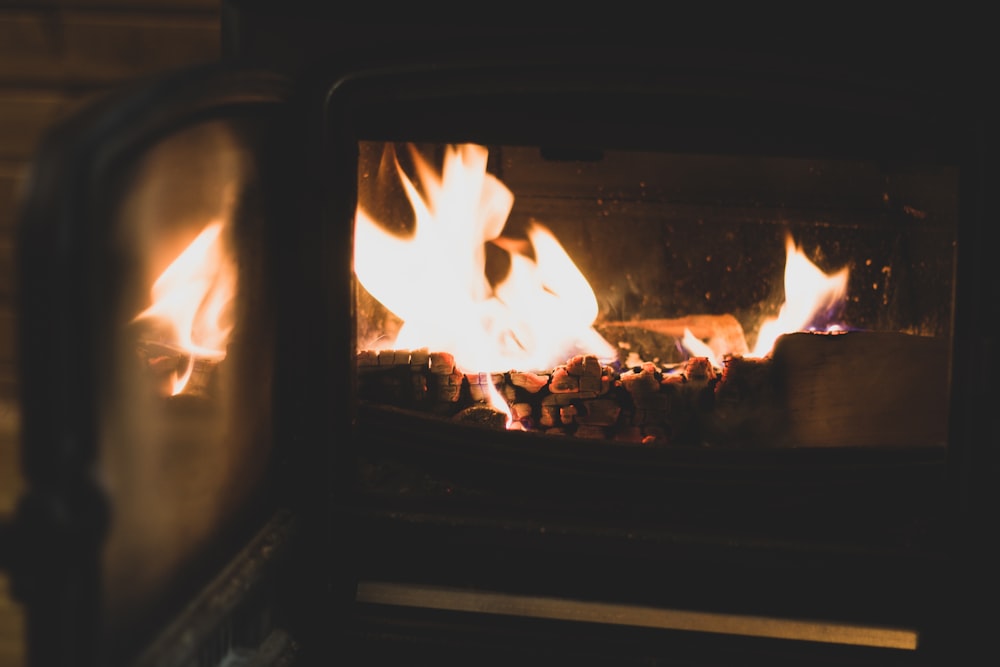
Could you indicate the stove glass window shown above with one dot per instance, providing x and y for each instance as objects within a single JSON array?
[
  {"x": 657, "y": 299},
  {"x": 185, "y": 415}
]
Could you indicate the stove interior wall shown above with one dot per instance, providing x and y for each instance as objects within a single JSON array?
[{"x": 664, "y": 235}]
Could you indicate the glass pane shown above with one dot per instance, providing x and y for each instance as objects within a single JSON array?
[
  {"x": 657, "y": 299},
  {"x": 185, "y": 419}
]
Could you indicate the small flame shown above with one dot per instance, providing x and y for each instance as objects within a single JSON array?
[
  {"x": 192, "y": 296},
  {"x": 538, "y": 316},
  {"x": 809, "y": 294},
  {"x": 698, "y": 348},
  {"x": 498, "y": 403}
]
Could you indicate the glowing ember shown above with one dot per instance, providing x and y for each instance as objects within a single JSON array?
[
  {"x": 539, "y": 315},
  {"x": 192, "y": 297},
  {"x": 810, "y": 294}
]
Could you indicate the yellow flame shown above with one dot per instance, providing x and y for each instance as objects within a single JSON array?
[
  {"x": 435, "y": 281},
  {"x": 698, "y": 348},
  {"x": 192, "y": 296},
  {"x": 808, "y": 292},
  {"x": 499, "y": 403}
]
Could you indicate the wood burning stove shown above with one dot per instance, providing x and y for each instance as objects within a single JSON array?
[{"x": 823, "y": 503}]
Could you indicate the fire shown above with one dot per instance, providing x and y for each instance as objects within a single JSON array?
[
  {"x": 498, "y": 403},
  {"x": 540, "y": 314},
  {"x": 192, "y": 297},
  {"x": 697, "y": 348},
  {"x": 810, "y": 295}
]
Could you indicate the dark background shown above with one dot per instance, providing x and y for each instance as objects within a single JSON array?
[{"x": 56, "y": 55}]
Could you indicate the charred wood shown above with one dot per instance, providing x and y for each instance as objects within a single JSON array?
[{"x": 814, "y": 390}]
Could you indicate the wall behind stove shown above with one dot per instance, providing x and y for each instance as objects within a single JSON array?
[{"x": 55, "y": 56}]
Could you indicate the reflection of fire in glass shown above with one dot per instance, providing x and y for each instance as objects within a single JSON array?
[
  {"x": 190, "y": 311},
  {"x": 530, "y": 343}
]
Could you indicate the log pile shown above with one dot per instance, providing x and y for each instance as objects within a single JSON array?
[
  {"x": 814, "y": 390},
  {"x": 583, "y": 397}
]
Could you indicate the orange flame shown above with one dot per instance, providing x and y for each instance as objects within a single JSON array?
[
  {"x": 538, "y": 316},
  {"x": 698, "y": 348},
  {"x": 499, "y": 404},
  {"x": 809, "y": 292},
  {"x": 192, "y": 296}
]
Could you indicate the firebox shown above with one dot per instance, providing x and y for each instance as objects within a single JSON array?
[{"x": 576, "y": 350}]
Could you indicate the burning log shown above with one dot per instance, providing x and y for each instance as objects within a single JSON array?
[
  {"x": 520, "y": 411},
  {"x": 722, "y": 332},
  {"x": 600, "y": 412},
  {"x": 394, "y": 376},
  {"x": 531, "y": 382},
  {"x": 420, "y": 359},
  {"x": 862, "y": 389},
  {"x": 835, "y": 390},
  {"x": 482, "y": 415},
  {"x": 745, "y": 410},
  {"x": 442, "y": 363},
  {"x": 551, "y": 410},
  {"x": 478, "y": 384},
  {"x": 445, "y": 381},
  {"x": 581, "y": 397},
  {"x": 667, "y": 404},
  {"x": 564, "y": 383},
  {"x": 856, "y": 389}
]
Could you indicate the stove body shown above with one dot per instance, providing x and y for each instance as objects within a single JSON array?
[{"x": 672, "y": 176}]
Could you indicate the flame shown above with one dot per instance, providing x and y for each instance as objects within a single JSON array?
[
  {"x": 192, "y": 296},
  {"x": 499, "y": 403},
  {"x": 698, "y": 348},
  {"x": 809, "y": 294},
  {"x": 435, "y": 281}
]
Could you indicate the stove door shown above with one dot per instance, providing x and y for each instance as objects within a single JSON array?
[
  {"x": 149, "y": 328},
  {"x": 673, "y": 184}
]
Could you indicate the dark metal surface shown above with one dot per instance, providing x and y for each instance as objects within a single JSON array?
[
  {"x": 469, "y": 511},
  {"x": 234, "y": 617},
  {"x": 72, "y": 278},
  {"x": 642, "y": 527}
]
